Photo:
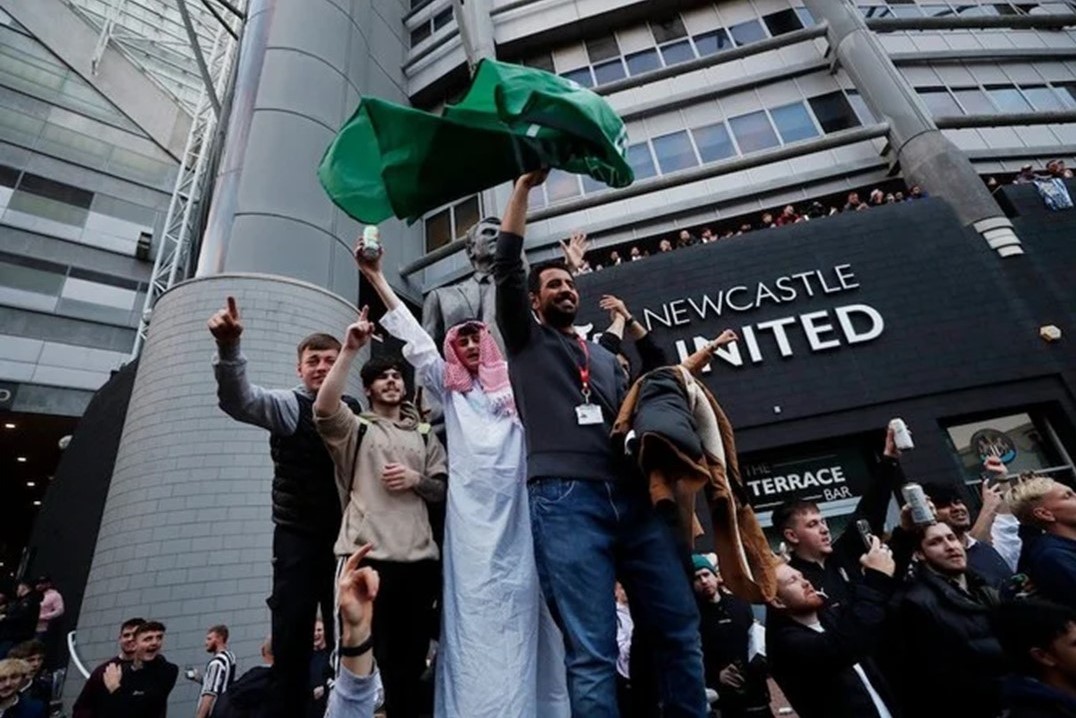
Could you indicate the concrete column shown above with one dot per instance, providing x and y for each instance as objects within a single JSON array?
[
  {"x": 926, "y": 156},
  {"x": 186, "y": 532},
  {"x": 303, "y": 65}
]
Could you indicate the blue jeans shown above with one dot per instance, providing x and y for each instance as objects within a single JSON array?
[{"x": 586, "y": 535}]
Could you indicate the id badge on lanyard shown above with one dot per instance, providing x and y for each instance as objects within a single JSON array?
[{"x": 586, "y": 414}]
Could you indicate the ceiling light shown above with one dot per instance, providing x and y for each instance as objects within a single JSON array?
[
  {"x": 37, "y": 503},
  {"x": 30, "y": 484},
  {"x": 9, "y": 426},
  {"x": 21, "y": 459}
]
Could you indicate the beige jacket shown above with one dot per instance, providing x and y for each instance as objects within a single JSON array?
[{"x": 395, "y": 522}]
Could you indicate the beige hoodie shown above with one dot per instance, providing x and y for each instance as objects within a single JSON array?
[{"x": 395, "y": 522}]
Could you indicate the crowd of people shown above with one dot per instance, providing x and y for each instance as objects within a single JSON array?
[
  {"x": 566, "y": 582},
  {"x": 793, "y": 214}
]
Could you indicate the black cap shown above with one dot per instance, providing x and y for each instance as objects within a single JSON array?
[{"x": 943, "y": 494}]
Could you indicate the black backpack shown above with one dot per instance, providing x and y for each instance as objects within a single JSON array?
[{"x": 247, "y": 697}]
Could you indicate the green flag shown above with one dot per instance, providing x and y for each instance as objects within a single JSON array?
[{"x": 389, "y": 160}]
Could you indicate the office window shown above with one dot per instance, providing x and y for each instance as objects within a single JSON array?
[
  {"x": 833, "y": 112},
  {"x": 420, "y": 33},
  {"x": 562, "y": 185},
  {"x": 753, "y": 132},
  {"x": 30, "y": 275},
  {"x": 581, "y": 76},
  {"x": 542, "y": 62},
  {"x": 644, "y": 61},
  {"x": 610, "y": 71},
  {"x": 1043, "y": 98},
  {"x": 671, "y": 28},
  {"x": 906, "y": 11},
  {"x": 591, "y": 185},
  {"x": 714, "y": 142},
  {"x": 1008, "y": 99},
  {"x": 442, "y": 18},
  {"x": 51, "y": 200},
  {"x": 745, "y": 33},
  {"x": 602, "y": 48},
  {"x": 674, "y": 152},
  {"x": 709, "y": 43},
  {"x": 793, "y": 122},
  {"x": 939, "y": 101},
  {"x": 805, "y": 16},
  {"x": 465, "y": 214},
  {"x": 641, "y": 161},
  {"x": 936, "y": 10},
  {"x": 1067, "y": 92},
  {"x": 974, "y": 101},
  {"x": 439, "y": 229},
  {"x": 860, "y": 106},
  {"x": 677, "y": 52},
  {"x": 783, "y": 22},
  {"x": 872, "y": 11}
]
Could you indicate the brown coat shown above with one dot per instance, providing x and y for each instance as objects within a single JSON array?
[{"x": 747, "y": 563}]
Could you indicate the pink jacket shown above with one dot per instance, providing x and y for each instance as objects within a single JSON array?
[{"x": 52, "y": 606}]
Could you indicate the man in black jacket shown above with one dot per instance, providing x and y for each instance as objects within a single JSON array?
[
  {"x": 947, "y": 657},
  {"x": 831, "y": 565},
  {"x": 306, "y": 504},
  {"x": 725, "y": 624},
  {"x": 821, "y": 658},
  {"x": 1039, "y": 637}
]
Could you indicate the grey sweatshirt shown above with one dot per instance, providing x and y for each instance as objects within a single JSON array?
[{"x": 544, "y": 366}]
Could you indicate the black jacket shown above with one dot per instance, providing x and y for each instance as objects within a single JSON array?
[
  {"x": 305, "y": 496},
  {"x": 20, "y": 619},
  {"x": 816, "y": 670},
  {"x": 842, "y": 566},
  {"x": 725, "y": 629},
  {"x": 248, "y": 697},
  {"x": 947, "y": 661},
  {"x": 1027, "y": 698}
]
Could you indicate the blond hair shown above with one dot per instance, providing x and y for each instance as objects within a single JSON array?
[
  {"x": 14, "y": 667},
  {"x": 1026, "y": 495}
]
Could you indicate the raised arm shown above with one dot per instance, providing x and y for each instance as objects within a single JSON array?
[
  {"x": 277, "y": 411},
  {"x": 513, "y": 305},
  {"x": 992, "y": 502},
  {"x": 358, "y": 334},
  {"x": 419, "y": 349}
]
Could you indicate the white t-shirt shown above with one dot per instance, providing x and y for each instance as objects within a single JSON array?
[{"x": 879, "y": 704}]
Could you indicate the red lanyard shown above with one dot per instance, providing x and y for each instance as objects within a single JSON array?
[{"x": 584, "y": 371}]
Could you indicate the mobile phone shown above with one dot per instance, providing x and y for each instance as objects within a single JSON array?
[
  {"x": 191, "y": 673},
  {"x": 864, "y": 528}
]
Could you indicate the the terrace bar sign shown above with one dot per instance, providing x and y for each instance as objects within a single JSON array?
[{"x": 825, "y": 329}]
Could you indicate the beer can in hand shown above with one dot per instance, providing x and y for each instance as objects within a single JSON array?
[
  {"x": 371, "y": 242},
  {"x": 902, "y": 438},
  {"x": 916, "y": 499}
]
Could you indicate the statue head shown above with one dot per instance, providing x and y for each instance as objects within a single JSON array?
[{"x": 480, "y": 242}]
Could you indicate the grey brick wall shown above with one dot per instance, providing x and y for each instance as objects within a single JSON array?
[{"x": 186, "y": 533}]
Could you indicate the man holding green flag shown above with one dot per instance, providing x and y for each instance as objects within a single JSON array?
[{"x": 389, "y": 160}]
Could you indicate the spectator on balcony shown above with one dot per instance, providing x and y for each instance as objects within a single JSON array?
[
  {"x": 635, "y": 253},
  {"x": 992, "y": 184},
  {"x": 916, "y": 192},
  {"x": 853, "y": 202},
  {"x": 890, "y": 198},
  {"x": 614, "y": 258},
  {"x": 727, "y": 233},
  {"x": 686, "y": 239},
  {"x": 708, "y": 236},
  {"x": 788, "y": 216},
  {"x": 744, "y": 228},
  {"x": 1057, "y": 168},
  {"x": 899, "y": 196},
  {"x": 665, "y": 246},
  {"x": 766, "y": 221},
  {"x": 816, "y": 211}
]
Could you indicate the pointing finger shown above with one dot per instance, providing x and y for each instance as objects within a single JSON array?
[{"x": 233, "y": 308}]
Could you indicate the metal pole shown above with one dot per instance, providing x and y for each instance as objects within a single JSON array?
[
  {"x": 207, "y": 79},
  {"x": 220, "y": 19}
]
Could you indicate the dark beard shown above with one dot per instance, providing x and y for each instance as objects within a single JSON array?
[{"x": 558, "y": 319}]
